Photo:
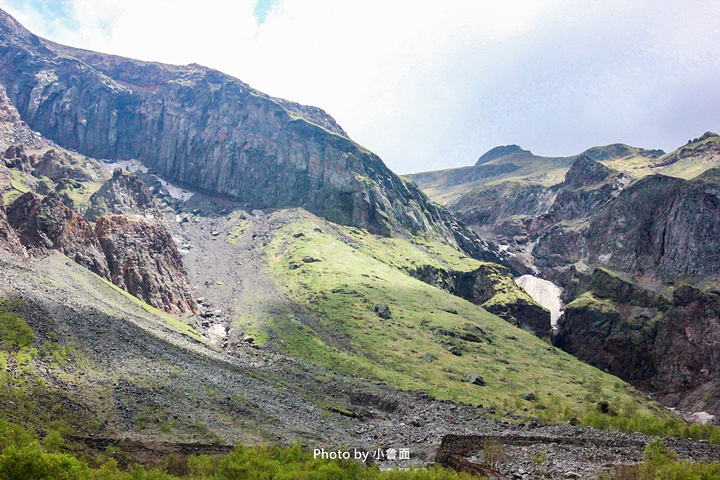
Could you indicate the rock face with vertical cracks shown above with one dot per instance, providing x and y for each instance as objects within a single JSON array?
[
  {"x": 144, "y": 261},
  {"x": 668, "y": 347},
  {"x": 207, "y": 130}
]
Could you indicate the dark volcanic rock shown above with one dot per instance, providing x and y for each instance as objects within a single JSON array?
[
  {"x": 517, "y": 212},
  {"x": 686, "y": 353},
  {"x": 669, "y": 349},
  {"x": 594, "y": 331},
  {"x": 123, "y": 194},
  {"x": 210, "y": 131},
  {"x": 658, "y": 229},
  {"x": 585, "y": 172},
  {"x": 45, "y": 223},
  {"x": 493, "y": 288},
  {"x": 144, "y": 261},
  {"x": 661, "y": 228}
]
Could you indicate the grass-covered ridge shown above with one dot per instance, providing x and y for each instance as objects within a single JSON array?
[{"x": 432, "y": 339}]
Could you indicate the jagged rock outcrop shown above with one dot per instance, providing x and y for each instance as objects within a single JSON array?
[
  {"x": 144, "y": 261},
  {"x": 659, "y": 229},
  {"x": 210, "y": 131},
  {"x": 124, "y": 194},
  {"x": 138, "y": 257},
  {"x": 518, "y": 212},
  {"x": 8, "y": 238},
  {"x": 57, "y": 165},
  {"x": 686, "y": 353},
  {"x": 491, "y": 287},
  {"x": 47, "y": 224},
  {"x": 670, "y": 351},
  {"x": 594, "y": 330}
]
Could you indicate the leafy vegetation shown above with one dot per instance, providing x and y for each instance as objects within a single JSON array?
[
  {"x": 23, "y": 457},
  {"x": 14, "y": 332},
  {"x": 662, "y": 463}
]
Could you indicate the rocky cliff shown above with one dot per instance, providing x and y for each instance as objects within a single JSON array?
[
  {"x": 46, "y": 224},
  {"x": 660, "y": 229},
  {"x": 124, "y": 194},
  {"x": 519, "y": 214},
  {"x": 144, "y": 261},
  {"x": 8, "y": 238},
  {"x": 204, "y": 129},
  {"x": 666, "y": 347},
  {"x": 686, "y": 353},
  {"x": 138, "y": 257}
]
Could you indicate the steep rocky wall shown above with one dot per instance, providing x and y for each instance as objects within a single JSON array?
[
  {"x": 8, "y": 238},
  {"x": 659, "y": 229},
  {"x": 201, "y": 128},
  {"x": 686, "y": 353},
  {"x": 595, "y": 331},
  {"x": 144, "y": 261},
  {"x": 666, "y": 347}
]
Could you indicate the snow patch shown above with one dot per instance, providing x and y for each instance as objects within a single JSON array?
[
  {"x": 695, "y": 417},
  {"x": 545, "y": 293}
]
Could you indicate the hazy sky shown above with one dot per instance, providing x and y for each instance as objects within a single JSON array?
[{"x": 434, "y": 84}]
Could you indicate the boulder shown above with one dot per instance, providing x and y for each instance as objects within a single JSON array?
[{"x": 475, "y": 379}]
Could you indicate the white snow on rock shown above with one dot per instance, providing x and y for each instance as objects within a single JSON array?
[{"x": 545, "y": 293}]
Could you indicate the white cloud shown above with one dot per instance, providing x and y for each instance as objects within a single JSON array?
[{"x": 427, "y": 84}]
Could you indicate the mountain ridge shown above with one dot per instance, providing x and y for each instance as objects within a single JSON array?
[{"x": 201, "y": 128}]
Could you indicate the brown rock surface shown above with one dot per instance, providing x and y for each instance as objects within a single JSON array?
[
  {"x": 144, "y": 261},
  {"x": 8, "y": 238},
  {"x": 46, "y": 224}
]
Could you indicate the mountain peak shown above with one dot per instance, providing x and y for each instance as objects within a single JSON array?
[
  {"x": 501, "y": 151},
  {"x": 586, "y": 171}
]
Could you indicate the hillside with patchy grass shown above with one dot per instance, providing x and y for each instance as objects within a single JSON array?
[{"x": 260, "y": 278}]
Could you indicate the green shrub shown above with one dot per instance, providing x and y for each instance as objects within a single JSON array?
[
  {"x": 32, "y": 463},
  {"x": 14, "y": 332}
]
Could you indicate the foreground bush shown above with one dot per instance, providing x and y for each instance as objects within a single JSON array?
[
  {"x": 24, "y": 458},
  {"x": 661, "y": 464}
]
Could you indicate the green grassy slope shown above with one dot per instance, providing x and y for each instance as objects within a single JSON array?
[{"x": 342, "y": 284}]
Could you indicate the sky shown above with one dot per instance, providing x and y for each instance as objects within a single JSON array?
[{"x": 431, "y": 84}]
